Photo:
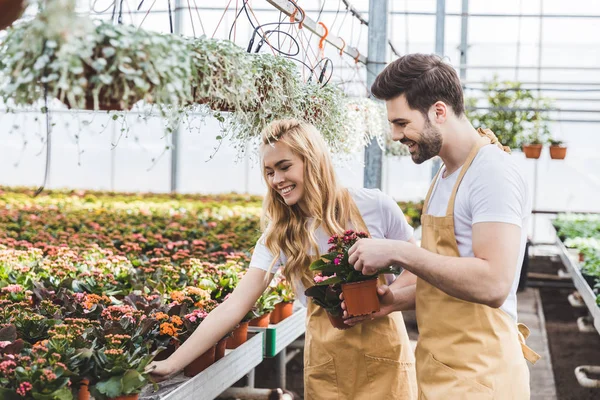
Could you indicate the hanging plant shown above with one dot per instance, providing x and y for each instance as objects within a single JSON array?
[{"x": 221, "y": 75}]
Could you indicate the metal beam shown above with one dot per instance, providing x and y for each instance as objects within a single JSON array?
[
  {"x": 378, "y": 31},
  {"x": 178, "y": 29},
  {"x": 288, "y": 8},
  {"x": 464, "y": 39},
  {"x": 440, "y": 27}
]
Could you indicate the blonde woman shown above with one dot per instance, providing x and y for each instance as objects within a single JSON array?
[{"x": 304, "y": 206}]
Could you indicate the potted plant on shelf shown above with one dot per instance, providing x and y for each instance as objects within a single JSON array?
[
  {"x": 263, "y": 308},
  {"x": 191, "y": 322},
  {"x": 558, "y": 151},
  {"x": 119, "y": 368},
  {"x": 360, "y": 291},
  {"x": 285, "y": 307}
]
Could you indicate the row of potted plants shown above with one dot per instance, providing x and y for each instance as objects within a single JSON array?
[
  {"x": 581, "y": 233},
  {"x": 128, "y": 317}
]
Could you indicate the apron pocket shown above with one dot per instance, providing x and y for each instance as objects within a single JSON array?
[
  {"x": 439, "y": 381},
  {"x": 391, "y": 379},
  {"x": 320, "y": 382}
]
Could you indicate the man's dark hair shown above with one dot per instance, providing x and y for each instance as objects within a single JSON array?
[{"x": 423, "y": 79}]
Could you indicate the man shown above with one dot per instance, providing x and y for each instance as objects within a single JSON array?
[{"x": 474, "y": 231}]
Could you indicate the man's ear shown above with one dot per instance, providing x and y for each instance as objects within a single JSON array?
[{"x": 440, "y": 112}]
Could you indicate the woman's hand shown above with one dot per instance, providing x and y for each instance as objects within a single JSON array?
[{"x": 160, "y": 370}]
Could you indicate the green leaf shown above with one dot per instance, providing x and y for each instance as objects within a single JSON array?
[
  {"x": 60, "y": 394},
  {"x": 132, "y": 381},
  {"x": 111, "y": 388}
]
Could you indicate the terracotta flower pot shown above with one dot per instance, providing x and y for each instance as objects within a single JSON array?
[
  {"x": 239, "y": 337},
  {"x": 220, "y": 350},
  {"x": 84, "y": 390},
  {"x": 338, "y": 322},
  {"x": 361, "y": 297},
  {"x": 282, "y": 311},
  {"x": 532, "y": 150},
  {"x": 262, "y": 321},
  {"x": 558, "y": 152},
  {"x": 10, "y": 11},
  {"x": 127, "y": 397},
  {"x": 201, "y": 363},
  {"x": 581, "y": 257},
  {"x": 166, "y": 353}
]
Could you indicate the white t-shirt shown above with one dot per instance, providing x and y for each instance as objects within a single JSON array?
[
  {"x": 492, "y": 190},
  {"x": 381, "y": 214}
]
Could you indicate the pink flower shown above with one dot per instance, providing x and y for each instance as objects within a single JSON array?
[
  {"x": 337, "y": 261},
  {"x": 24, "y": 388}
]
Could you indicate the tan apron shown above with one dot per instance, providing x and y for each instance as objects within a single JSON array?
[
  {"x": 465, "y": 350},
  {"x": 371, "y": 361}
]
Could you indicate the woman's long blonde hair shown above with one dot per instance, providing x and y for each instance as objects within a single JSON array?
[{"x": 287, "y": 228}]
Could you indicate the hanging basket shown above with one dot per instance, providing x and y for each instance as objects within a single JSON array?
[
  {"x": 10, "y": 11},
  {"x": 532, "y": 150},
  {"x": 558, "y": 152}
]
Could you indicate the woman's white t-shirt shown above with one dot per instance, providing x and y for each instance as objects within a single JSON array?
[{"x": 381, "y": 214}]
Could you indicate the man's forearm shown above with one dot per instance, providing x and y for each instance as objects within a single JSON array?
[{"x": 466, "y": 278}]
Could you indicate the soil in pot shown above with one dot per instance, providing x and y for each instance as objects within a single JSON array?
[
  {"x": 532, "y": 150},
  {"x": 201, "y": 363},
  {"x": 262, "y": 321},
  {"x": 282, "y": 311},
  {"x": 361, "y": 297},
  {"x": 239, "y": 336}
]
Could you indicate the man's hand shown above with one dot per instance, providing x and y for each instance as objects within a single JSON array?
[
  {"x": 369, "y": 255},
  {"x": 386, "y": 300}
]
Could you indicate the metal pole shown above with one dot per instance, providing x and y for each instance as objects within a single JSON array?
[
  {"x": 376, "y": 60},
  {"x": 440, "y": 34},
  {"x": 464, "y": 39},
  {"x": 539, "y": 79},
  {"x": 281, "y": 370},
  {"x": 178, "y": 29},
  {"x": 113, "y": 155}
]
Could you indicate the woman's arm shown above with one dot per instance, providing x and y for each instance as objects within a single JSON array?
[{"x": 219, "y": 322}]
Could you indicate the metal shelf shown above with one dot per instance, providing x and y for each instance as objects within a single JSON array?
[
  {"x": 214, "y": 380},
  {"x": 587, "y": 294},
  {"x": 279, "y": 336}
]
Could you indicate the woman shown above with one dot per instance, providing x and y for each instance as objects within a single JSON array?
[{"x": 304, "y": 206}]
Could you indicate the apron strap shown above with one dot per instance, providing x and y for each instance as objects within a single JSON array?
[
  {"x": 528, "y": 352},
  {"x": 480, "y": 143},
  {"x": 493, "y": 139}
]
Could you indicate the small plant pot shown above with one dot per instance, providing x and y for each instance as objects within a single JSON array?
[
  {"x": 10, "y": 11},
  {"x": 581, "y": 257},
  {"x": 262, "y": 321},
  {"x": 282, "y": 311},
  {"x": 84, "y": 390},
  {"x": 558, "y": 152},
  {"x": 532, "y": 150},
  {"x": 239, "y": 336},
  {"x": 338, "y": 322},
  {"x": 220, "y": 350},
  {"x": 166, "y": 353},
  {"x": 361, "y": 297},
  {"x": 201, "y": 363},
  {"x": 135, "y": 396}
]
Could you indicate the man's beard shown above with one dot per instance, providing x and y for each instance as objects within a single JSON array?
[{"x": 429, "y": 145}]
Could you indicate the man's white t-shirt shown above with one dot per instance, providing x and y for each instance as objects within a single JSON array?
[
  {"x": 492, "y": 190},
  {"x": 381, "y": 214}
]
